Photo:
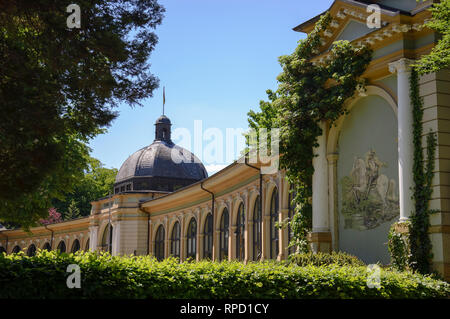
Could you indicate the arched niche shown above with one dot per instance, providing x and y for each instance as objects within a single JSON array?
[{"x": 365, "y": 176}]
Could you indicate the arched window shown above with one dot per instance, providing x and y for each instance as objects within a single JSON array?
[
  {"x": 159, "y": 243},
  {"x": 2, "y": 250},
  {"x": 224, "y": 234},
  {"x": 47, "y": 247},
  {"x": 31, "y": 250},
  {"x": 175, "y": 240},
  {"x": 61, "y": 246},
  {"x": 257, "y": 234},
  {"x": 75, "y": 246},
  {"x": 240, "y": 227},
  {"x": 107, "y": 238},
  {"x": 208, "y": 237},
  {"x": 273, "y": 228},
  {"x": 16, "y": 250},
  {"x": 291, "y": 211},
  {"x": 192, "y": 239},
  {"x": 87, "y": 244}
]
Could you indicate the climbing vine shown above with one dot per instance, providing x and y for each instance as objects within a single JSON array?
[
  {"x": 420, "y": 257},
  {"x": 418, "y": 250},
  {"x": 309, "y": 93},
  {"x": 398, "y": 245}
]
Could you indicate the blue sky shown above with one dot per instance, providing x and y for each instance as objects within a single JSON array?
[{"x": 216, "y": 59}]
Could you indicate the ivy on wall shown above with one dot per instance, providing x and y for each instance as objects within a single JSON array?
[
  {"x": 398, "y": 245},
  {"x": 420, "y": 258},
  {"x": 308, "y": 94},
  {"x": 412, "y": 248}
]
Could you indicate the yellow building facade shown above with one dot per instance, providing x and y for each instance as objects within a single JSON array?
[{"x": 361, "y": 185}]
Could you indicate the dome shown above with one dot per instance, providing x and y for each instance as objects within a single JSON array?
[
  {"x": 161, "y": 166},
  {"x": 163, "y": 120}
]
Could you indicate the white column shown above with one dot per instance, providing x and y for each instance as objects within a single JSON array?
[
  {"x": 320, "y": 220},
  {"x": 405, "y": 136},
  {"x": 116, "y": 238},
  {"x": 93, "y": 234}
]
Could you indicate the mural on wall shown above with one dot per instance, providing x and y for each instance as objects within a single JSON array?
[{"x": 369, "y": 198}]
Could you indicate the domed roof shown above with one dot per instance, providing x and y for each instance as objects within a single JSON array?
[
  {"x": 162, "y": 159},
  {"x": 161, "y": 166},
  {"x": 163, "y": 119}
]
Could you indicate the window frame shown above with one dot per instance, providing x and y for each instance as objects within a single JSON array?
[
  {"x": 175, "y": 240},
  {"x": 224, "y": 235},
  {"x": 274, "y": 233},
  {"x": 208, "y": 237},
  {"x": 240, "y": 233},
  {"x": 191, "y": 239},
  {"x": 159, "y": 243}
]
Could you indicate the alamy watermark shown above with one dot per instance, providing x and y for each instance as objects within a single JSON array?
[
  {"x": 213, "y": 146},
  {"x": 374, "y": 20},
  {"x": 74, "y": 19},
  {"x": 373, "y": 276},
  {"x": 74, "y": 279}
]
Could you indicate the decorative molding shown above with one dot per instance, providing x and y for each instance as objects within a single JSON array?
[
  {"x": 400, "y": 28},
  {"x": 332, "y": 158},
  {"x": 401, "y": 66},
  {"x": 417, "y": 26},
  {"x": 387, "y": 33},
  {"x": 355, "y": 14},
  {"x": 377, "y": 36},
  {"x": 341, "y": 15}
]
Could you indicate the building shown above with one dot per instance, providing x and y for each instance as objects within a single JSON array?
[{"x": 361, "y": 185}]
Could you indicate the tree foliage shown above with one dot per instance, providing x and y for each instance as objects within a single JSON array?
[
  {"x": 439, "y": 58},
  {"x": 308, "y": 94},
  {"x": 59, "y": 87},
  {"x": 27, "y": 208},
  {"x": 53, "y": 217},
  {"x": 96, "y": 183}
]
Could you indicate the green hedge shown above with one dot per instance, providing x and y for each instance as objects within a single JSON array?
[
  {"x": 103, "y": 276},
  {"x": 323, "y": 259}
]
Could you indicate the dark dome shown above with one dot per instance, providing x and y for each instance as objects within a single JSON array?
[
  {"x": 163, "y": 119},
  {"x": 161, "y": 166}
]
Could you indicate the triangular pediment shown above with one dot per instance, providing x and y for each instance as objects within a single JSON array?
[
  {"x": 353, "y": 30},
  {"x": 350, "y": 22}
]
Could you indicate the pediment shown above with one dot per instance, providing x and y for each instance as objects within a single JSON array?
[
  {"x": 353, "y": 30},
  {"x": 349, "y": 22}
]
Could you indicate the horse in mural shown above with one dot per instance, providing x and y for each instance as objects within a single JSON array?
[{"x": 370, "y": 198}]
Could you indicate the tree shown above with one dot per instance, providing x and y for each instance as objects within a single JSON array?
[
  {"x": 72, "y": 211},
  {"x": 53, "y": 217},
  {"x": 439, "y": 58},
  {"x": 59, "y": 86},
  {"x": 27, "y": 208},
  {"x": 96, "y": 183}
]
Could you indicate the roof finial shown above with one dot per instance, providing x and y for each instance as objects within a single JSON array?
[{"x": 164, "y": 97}]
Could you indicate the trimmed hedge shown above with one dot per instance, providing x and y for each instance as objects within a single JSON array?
[
  {"x": 103, "y": 276},
  {"x": 322, "y": 259}
]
